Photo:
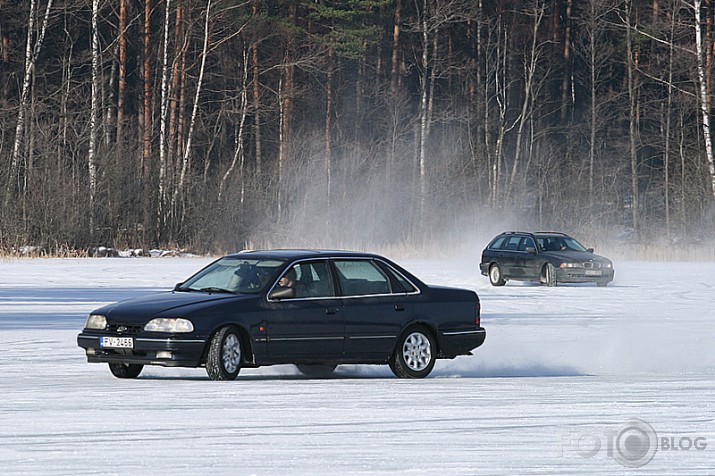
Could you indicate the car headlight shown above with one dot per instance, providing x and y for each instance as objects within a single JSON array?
[
  {"x": 169, "y": 324},
  {"x": 608, "y": 265},
  {"x": 569, "y": 265},
  {"x": 96, "y": 321}
]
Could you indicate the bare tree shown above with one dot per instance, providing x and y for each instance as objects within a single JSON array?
[
  {"x": 94, "y": 112},
  {"x": 704, "y": 97},
  {"x": 31, "y": 54},
  {"x": 179, "y": 191}
]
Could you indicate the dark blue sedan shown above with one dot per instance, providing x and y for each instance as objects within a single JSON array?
[{"x": 314, "y": 309}]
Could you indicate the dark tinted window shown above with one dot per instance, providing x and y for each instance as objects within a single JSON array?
[
  {"x": 497, "y": 243},
  {"x": 526, "y": 242},
  {"x": 512, "y": 244},
  {"x": 398, "y": 282},
  {"x": 361, "y": 277},
  {"x": 311, "y": 279}
]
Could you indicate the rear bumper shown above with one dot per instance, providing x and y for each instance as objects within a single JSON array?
[
  {"x": 168, "y": 352},
  {"x": 461, "y": 342},
  {"x": 484, "y": 268}
]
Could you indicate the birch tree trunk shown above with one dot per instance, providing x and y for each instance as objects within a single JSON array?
[
  {"x": 238, "y": 156},
  {"x": 567, "y": 62},
  {"x": 162, "y": 188},
  {"x": 668, "y": 112},
  {"x": 632, "y": 132},
  {"x": 424, "y": 88},
  {"x": 594, "y": 104},
  {"x": 179, "y": 191},
  {"x": 256, "y": 100},
  {"x": 704, "y": 102},
  {"x": 31, "y": 55},
  {"x": 530, "y": 71},
  {"x": 145, "y": 164},
  {"x": 122, "y": 80},
  {"x": 93, "y": 122},
  {"x": 328, "y": 125}
]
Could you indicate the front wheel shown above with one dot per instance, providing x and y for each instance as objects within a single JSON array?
[
  {"x": 316, "y": 370},
  {"x": 549, "y": 275},
  {"x": 121, "y": 370},
  {"x": 495, "y": 276},
  {"x": 414, "y": 355},
  {"x": 601, "y": 284},
  {"x": 224, "y": 358}
]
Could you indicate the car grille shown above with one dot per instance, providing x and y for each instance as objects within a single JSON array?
[
  {"x": 124, "y": 329},
  {"x": 592, "y": 265}
]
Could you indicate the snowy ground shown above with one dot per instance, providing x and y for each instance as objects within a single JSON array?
[{"x": 561, "y": 374}]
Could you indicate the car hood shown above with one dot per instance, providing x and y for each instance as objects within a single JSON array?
[
  {"x": 143, "y": 308},
  {"x": 577, "y": 256}
]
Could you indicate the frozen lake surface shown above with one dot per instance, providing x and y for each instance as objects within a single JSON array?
[{"x": 568, "y": 379}]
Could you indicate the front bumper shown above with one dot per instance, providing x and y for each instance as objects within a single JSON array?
[
  {"x": 581, "y": 275},
  {"x": 165, "y": 351}
]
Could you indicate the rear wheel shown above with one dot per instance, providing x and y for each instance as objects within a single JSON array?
[
  {"x": 495, "y": 276},
  {"x": 316, "y": 370},
  {"x": 121, "y": 370},
  {"x": 224, "y": 359},
  {"x": 415, "y": 354},
  {"x": 549, "y": 275}
]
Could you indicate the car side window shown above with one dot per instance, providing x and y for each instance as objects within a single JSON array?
[
  {"x": 361, "y": 278},
  {"x": 310, "y": 280},
  {"x": 525, "y": 243},
  {"x": 497, "y": 243},
  {"x": 399, "y": 283},
  {"x": 313, "y": 279},
  {"x": 513, "y": 243}
]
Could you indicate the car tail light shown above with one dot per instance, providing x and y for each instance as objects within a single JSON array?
[{"x": 477, "y": 312}]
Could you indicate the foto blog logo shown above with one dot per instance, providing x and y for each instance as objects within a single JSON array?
[{"x": 632, "y": 444}]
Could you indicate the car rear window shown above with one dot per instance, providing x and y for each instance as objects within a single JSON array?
[{"x": 497, "y": 243}]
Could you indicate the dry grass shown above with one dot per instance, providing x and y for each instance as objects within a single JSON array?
[{"x": 434, "y": 250}]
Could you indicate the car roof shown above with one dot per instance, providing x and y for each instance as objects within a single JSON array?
[
  {"x": 535, "y": 233},
  {"x": 293, "y": 254}
]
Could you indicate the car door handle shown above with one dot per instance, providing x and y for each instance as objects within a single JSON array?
[
  {"x": 332, "y": 310},
  {"x": 399, "y": 307}
]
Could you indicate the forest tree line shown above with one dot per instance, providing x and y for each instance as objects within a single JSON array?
[{"x": 215, "y": 124}]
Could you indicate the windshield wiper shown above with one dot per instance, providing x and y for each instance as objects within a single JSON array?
[
  {"x": 183, "y": 289},
  {"x": 216, "y": 290}
]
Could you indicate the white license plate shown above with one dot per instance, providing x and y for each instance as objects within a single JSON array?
[
  {"x": 593, "y": 272},
  {"x": 116, "y": 342}
]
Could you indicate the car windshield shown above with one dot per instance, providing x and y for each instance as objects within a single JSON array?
[
  {"x": 234, "y": 274},
  {"x": 559, "y": 243}
]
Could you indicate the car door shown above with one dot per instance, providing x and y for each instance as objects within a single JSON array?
[
  {"x": 309, "y": 324},
  {"x": 510, "y": 255},
  {"x": 526, "y": 262},
  {"x": 377, "y": 302}
]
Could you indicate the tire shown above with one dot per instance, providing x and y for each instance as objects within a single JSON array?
[
  {"x": 225, "y": 355},
  {"x": 415, "y": 354},
  {"x": 121, "y": 370},
  {"x": 316, "y": 370},
  {"x": 601, "y": 284},
  {"x": 550, "y": 275},
  {"x": 495, "y": 276}
]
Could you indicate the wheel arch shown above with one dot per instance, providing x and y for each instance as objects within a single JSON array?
[
  {"x": 429, "y": 326},
  {"x": 247, "y": 353}
]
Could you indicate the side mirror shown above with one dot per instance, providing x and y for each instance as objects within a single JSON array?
[
  {"x": 177, "y": 286},
  {"x": 590, "y": 250},
  {"x": 282, "y": 293},
  {"x": 531, "y": 250}
]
